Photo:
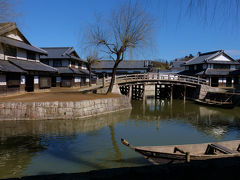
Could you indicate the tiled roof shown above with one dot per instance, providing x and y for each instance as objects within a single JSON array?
[
  {"x": 59, "y": 53},
  {"x": 207, "y": 58},
  {"x": 126, "y": 64},
  {"x": 69, "y": 70},
  {"x": 6, "y": 66},
  {"x": 22, "y": 45},
  {"x": 202, "y": 57},
  {"x": 32, "y": 65}
]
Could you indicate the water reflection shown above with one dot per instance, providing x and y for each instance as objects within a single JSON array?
[
  {"x": 60, "y": 127},
  {"x": 69, "y": 146},
  {"x": 21, "y": 140},
  {"x": 212, "y": 121}
]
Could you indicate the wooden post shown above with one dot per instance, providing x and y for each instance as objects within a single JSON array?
[
  {"x": 210, "y": 81},
  {"x": 130, "y": 92},
  {"x": 171, "y": 93},
  {"x": 187, "y": 157},
  {"x": 184, "y": 94},
  {"x": 103, "y": 81}
]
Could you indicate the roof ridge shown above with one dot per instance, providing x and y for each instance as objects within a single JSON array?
[
  {"x": 211, "y": 52},
  {"x": 55, "y": 47}
]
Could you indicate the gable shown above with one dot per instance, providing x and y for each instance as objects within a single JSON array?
[
  {"x": 14, "y": 35},
  {"x": 221, "y": 57},
  {"x": 74, "y": 54}
]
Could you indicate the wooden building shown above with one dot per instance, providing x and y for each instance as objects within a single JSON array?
[
  {"x": 217, "y": 67},
  {"x": 71, "y": 68},
  {"x": 20, "y": 68},
  {"x": 104, "y": 67}
]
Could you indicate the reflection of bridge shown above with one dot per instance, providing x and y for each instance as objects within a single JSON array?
[{"x": 159, "y": 85}]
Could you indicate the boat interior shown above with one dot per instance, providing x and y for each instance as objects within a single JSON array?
[{"x": 226, "y": 147}]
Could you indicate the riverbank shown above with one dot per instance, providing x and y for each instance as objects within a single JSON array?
[
  {"x": 210, "y": 169},
  {"x": 68, "y": 104}
]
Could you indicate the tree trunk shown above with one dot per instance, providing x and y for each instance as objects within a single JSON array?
[
  {"x": 113, "y": 76},
  {"x": 90, "y": 76}
]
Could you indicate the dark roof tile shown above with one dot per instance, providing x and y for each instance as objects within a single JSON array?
[
  {"x": 32, "y": 65},
  {"x": 6, "y": 66}
]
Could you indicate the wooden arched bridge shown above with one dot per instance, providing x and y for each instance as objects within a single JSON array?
[
  {"x": 159, "y": 85},
  {"x": 155, "y": 77}
]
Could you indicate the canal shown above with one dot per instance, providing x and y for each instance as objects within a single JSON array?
[{"x": 69, "y": 146}]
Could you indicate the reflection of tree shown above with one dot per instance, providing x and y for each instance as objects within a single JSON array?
[
  {"x": 16, "y": 154},
  {"x": 20, "y": 140},
  {"x": 212, "y": 121},
  {"x": 118, "y": 154}
]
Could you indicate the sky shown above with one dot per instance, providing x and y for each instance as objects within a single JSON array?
[{"x": 61, "y": 23}]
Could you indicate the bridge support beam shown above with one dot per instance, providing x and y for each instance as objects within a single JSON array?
[{"x": 184, "y": 93}]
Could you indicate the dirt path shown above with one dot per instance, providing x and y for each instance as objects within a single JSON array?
[{"x": 65, "y": 94}]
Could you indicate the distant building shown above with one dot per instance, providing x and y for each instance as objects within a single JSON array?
[
  {"x": 105, "y": 67},
  {"x": 71, "y": 68},
  {"x": 217, "y": 67},
  {"x": 177, "y": 65},
  {"x": 20, "y": 68}
]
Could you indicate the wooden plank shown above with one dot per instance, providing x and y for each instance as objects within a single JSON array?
[{"x": 219, "y": 148}]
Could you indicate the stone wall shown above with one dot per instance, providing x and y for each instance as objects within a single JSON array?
[
  {"x": 61, "y": 110},
  {"x": 205, "y": 89}
]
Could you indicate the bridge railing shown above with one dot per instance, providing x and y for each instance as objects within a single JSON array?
[{"x": 154, "y": 76}]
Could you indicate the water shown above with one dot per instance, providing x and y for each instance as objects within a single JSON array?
[{"x": 67, "y": 146}]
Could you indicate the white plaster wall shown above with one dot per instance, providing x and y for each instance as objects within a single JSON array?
[
  {"x": 23, "y": 79},
  {"x": 3, "y": 81},
  {"x": 36, "y": 80},
  {"x": 14, "y": 35},
  {"x": 77, "y": 79},
  {"x": 1, "y": 53},
  {"x": 220, "y": 80},
  {"x": 221, "y": 58},
  {"x": 87, "y": 79}
]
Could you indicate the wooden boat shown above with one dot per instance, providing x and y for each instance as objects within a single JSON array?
[
  {"x": 215, "y": 103},
  {"x": 188, "y": 152}
]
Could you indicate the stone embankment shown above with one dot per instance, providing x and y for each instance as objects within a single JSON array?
[{"x": 61, "y": 110}]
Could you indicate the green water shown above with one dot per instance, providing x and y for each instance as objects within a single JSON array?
[{"x": 67, "y": 146}]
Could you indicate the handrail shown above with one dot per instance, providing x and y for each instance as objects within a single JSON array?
[{"x": 155, "y": 76}]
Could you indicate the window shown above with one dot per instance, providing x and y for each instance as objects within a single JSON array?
[
  {"x": 10, "y": 50},
  {"x": 57, "y": 63},
  {"x": 221, "y": 66},
  {"x": 191, "y": 68},
  {"x": 45, "y": 61},
  {"x": 31, "y": 55},
  {"x": 199, "y": 67}
]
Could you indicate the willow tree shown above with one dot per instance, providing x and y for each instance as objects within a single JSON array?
[
  {"x": 7, "y": 11},
  {"x": 128, "y": 28}
]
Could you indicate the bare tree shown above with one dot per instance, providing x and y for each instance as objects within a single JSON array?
[
  {"x": 129, "y": 28},
  {"x": 91, "y": 59},
  {"x": 7, "y": 11}
]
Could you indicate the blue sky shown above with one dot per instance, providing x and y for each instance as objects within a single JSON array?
[{"x": 58, "y": 23}]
